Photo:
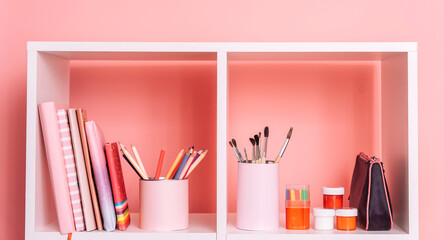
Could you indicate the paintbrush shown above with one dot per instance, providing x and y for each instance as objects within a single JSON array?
[
  {"x": 246, "y": 156},
  {"x": 235, "y": 153},
  {"x": 253, "y": 152},
  {"x": 258, "y": 151},
  {"x": 237, "y": 150},
  {"x": 264, "y": 149},
  {"x": 278, "y": 158}
]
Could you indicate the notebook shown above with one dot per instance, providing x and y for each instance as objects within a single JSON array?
[
  {"x": 81, "y": 118},
  {"x": 96, "y": 146},
  {"x": 85, "y": 195},
  {"x": 71, "y": 170},
  {"x": 117, "y": 185},
  {"x": 56, "y": 165}
]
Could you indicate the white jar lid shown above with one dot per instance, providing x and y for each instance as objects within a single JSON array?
[
  {"x": 347, "y": 212},
  {"x": 323, "y": 212},
  {"x": 333, "y": 191}
]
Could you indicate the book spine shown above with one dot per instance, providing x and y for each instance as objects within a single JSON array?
[
  {"x": 118, "y": 186},
  {"x": 57, "y": 172},
  {"x": 101, "y": 176},
  {"x": 81, "y": 118},
  {"x": 71, "y": 171},
  {"x": 90, "y": 221}
]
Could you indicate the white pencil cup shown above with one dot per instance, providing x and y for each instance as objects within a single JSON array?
[
  {"x": 163, "y": 205},
  {"x": 257, "y": 196}
]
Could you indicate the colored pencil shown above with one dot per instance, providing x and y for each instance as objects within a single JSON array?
[
  {"x": 159, "y": 164},
  {"x": 132, "y": 166},
  {"x": 194, "y": 165},
  {"x": 139, "y": 160},
  {"x": 175, "y": 165},
  {"x": 182, "y": 164},
  {"x": 188, "y": 164},
  {"x": 132, "y": 161}
]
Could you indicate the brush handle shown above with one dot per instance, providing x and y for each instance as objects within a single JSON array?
[
  {"x": 264, "y": 150},
  {"x": 277, "y": 160},
  {"x": 284, "y": 147}
]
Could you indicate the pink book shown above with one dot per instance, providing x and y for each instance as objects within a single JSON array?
[
  {"x": 96, "y": 144},
  {"x": 88, "y": 213},
  {"x": 71, "y": 170},
  {"x": 56, "y": 165}
]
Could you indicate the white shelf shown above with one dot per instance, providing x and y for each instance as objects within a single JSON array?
[
  {"x": 202, "y": 227},
  {"x": 234, "y": 233},
  {"x": 48, "y": 80}
]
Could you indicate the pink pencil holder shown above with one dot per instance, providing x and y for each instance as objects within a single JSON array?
[
  {"x": 163, "y": 205},
  {"x": 257, "y": 196}
]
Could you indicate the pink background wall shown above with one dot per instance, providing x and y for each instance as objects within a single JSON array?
[{"x": 341, "y": 20}]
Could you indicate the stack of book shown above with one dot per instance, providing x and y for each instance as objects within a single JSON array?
[{"x": 85, "y": 172}]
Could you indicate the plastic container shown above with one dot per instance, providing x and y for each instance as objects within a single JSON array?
[
  {"x": 324, "y": 218},
  {"x": 333, "y": 197},
  {"x": 257, "y": 196},
  {"x": 297, "y": 207},
  {"x": 346, "y": 219},
  {"x": 163, "y": 205}
]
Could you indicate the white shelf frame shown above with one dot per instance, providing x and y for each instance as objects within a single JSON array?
[{"x": 129, "y": 50}]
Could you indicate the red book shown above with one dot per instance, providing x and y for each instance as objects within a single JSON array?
[{"x": 117, "y": 185}]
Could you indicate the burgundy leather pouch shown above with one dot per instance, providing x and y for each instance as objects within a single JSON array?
[{"x": 369, "y": 194}]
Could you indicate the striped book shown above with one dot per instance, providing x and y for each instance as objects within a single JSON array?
[{"x": 71, "y": 172}]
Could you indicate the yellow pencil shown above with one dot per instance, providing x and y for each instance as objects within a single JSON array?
[
  {"x": 194, "y": 165},
  {"x": 139, "y": 160},
  {"x": 175, "y": 163}
]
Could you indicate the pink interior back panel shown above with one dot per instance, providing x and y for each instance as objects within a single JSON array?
[
  {"x": 169, "y": 104},
  {"x": 334, "y": 108}
]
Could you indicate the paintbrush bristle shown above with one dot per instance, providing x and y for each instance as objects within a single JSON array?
[
  {"x": 234, "y": 142},
  {"x": 266, "y": 131},
  {"x": 230, "y": 143},
  {"x": 252, "y": 141},
  {"x": 289, "y": 133},
  {"x": 260, "y": 134},
  {"x": 256, "y": 138}
]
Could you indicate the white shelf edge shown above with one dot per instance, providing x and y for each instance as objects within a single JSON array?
[
  {"x": 202, "y": 226},
  {"x": 223, "y": 46},
  {"x": 236, "y": 234}
]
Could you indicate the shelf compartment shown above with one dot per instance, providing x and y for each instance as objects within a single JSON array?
[
  {"x": 176, "y": 95},
  {"x": 339, "y": 105}
]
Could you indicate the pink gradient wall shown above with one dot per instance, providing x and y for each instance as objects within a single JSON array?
[{"x": 199, "y": 20}]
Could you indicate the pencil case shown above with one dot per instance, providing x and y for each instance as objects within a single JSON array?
[
  {"x": 163, "y": 205},
  {"x": 369, "y": 194},
  {"x": 257, "y": 196}
]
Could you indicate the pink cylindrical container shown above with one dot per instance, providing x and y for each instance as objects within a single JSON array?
[
  {"x": 163, "y": 205},
  {"x": 257, "y": 196}
]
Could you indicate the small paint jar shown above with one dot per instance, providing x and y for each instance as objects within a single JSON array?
[
  {"x": 297, "y": 207},
  {"x": 333, "y": 197},
  {"x": 324, "y": 218},
  {"x": 346, "y": 219}
]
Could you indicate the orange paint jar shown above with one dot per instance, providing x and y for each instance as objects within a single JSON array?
[
  {"x": 297, "y": 207},
  {"x": 346, "y": 219},
  {"x": 333, "y": 197}
]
